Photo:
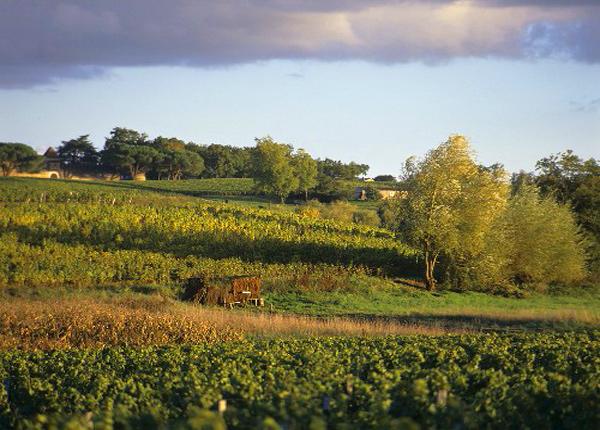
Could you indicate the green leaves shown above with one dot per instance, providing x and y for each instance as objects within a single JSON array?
[
  {"x": 274, "y": 170},
  {"x": 17, "y": 156},
  {"x": 207, "y": 230},
  {"x": 547, "y": 381}
]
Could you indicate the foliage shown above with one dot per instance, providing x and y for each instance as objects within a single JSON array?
[
  {"x": 120, "y": 136},
  {"x": 274, "y": 171},
  {"x": 339, "y": 211},
  {"x": 224, "y": 161},
  {"x": 372, "y": 193},
  {"x": 468, "y": 381},
  {"x": 17, "y": 156},
  {"x": 385, "y": 178},
  {"x": 16, "y": 189},
  {"x": 78, "y": 155},
  {"x": 450, "y": 206},
  {"x": 574, "y": 181},
  {"x": 545, "y": 244},
  {"x": 366, "y": 217},
  {"x": 175, "y": 161},
  {"x": 330, "y": 190},
  {"x": 54, "y": 265},
  {"x": 306, "y": 171},
  {"x": 336, "y": 169},
  {"x": 129, "y": 151},
  {"x": 521, "y": 179},
  {"x": 209, "y": 230}
]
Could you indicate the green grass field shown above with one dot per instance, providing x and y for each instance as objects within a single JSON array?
[{"x": 565, "y": 310}]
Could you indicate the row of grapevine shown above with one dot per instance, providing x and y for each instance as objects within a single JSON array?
[
  {"x": 468, "y": 381},
  {"x": 209, "y": 230},
  {"x": 53, "y": 263}
]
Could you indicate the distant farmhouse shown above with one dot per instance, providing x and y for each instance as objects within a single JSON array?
[{"x": 361, "y": 193}]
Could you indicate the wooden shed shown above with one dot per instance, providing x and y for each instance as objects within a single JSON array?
[{"x": 226, "y": 291}]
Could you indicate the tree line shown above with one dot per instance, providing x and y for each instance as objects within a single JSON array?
[{"x": 278, "y": 169}]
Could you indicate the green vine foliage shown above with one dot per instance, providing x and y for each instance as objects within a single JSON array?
[
  {"x": 468, "y": 381},
  {"x": 206, "y": 229}
]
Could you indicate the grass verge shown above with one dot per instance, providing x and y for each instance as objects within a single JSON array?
[{"x": 150, "y": 321}]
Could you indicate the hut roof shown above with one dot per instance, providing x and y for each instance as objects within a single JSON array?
[{"x": 51, "y": 153}]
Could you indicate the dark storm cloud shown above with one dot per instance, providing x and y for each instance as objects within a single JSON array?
[{"x": 41, "y": 41}]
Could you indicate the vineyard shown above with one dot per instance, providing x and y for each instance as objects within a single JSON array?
[
  {"x": 532, "y": 381},
  {"x": 22, "y": 189},
  {"x": 93, "y": 332},
  {"x": 208, "y": 230},
  {"x": 54, "y": 263}
]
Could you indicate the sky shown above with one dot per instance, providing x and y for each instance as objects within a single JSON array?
[{"x": 374, "y": 82}]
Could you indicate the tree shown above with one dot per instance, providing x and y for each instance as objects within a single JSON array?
[
  {"x": 129, "y": 151},
  {"x": 576, "y": 182},
  {"x": 224, "y": 161},
  {"x": 175, "y": 164},
  {"x": 337, "y": 170},
  {"x": 18, "y": 157},
  {"x": 132, "y": 159},
  {"x": 385, "y": 178},
  {"x": 77, "y": 155},
  {"x": 450, "y": 206},
  {"x": 545, "y": 243},
  {"x": 306, "y": 171},
  {"x": 176, "y": 161},
  {"x": 125, "y": 136},
  {"x": 274, "y": 173},
  {"x": 520, "y": 179}
]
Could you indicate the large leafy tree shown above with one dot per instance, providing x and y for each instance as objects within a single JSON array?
[
  {"x": 125, "y": 136},
  {"x": 176, "y": 161},
  {"x": 18, "y": 157},
  {"x": 78, "y": 155},
  {"x": 274, "y": 171},
  {"x": 306, "y": 171},
  {"x": 129, "y": 151},
  {"x": 451, "y": 205},
  {"x": 224, "y": 161}
]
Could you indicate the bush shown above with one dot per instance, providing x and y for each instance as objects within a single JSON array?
[
  {"x": 545, "y": 243},
  {"x": 366, "y": 217},
  {"x": 339, "y": 211}
]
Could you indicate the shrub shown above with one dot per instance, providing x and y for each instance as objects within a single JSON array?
[
  {"x": 544, "y": 242},
  {"x": 366, "y": 217}
]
